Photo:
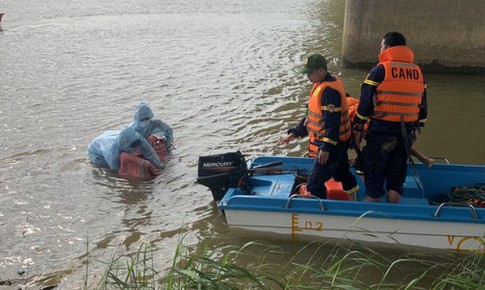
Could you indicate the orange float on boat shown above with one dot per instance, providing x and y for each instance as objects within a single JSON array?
[{"x": 335, "y": 190}]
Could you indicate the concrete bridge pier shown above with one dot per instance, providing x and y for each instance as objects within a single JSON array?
[{"x": 446, "y": 35}]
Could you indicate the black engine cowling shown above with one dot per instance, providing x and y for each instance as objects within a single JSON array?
[{"x": 220, "y": 171}]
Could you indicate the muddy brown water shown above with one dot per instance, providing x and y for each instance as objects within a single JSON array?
[{"x": 224, "y": 74}]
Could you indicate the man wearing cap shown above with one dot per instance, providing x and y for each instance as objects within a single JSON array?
[{"x": 328, "y": 127}]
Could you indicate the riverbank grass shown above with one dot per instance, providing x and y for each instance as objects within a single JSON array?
[{"x": 248, "y": 267}]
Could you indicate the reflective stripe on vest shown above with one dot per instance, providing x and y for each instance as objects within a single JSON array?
[
  {"x": 315, "y": 122},
  {"x": 399, "y": 95}
]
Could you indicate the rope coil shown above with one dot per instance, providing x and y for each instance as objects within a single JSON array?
[{"x": 473, "y": 195}]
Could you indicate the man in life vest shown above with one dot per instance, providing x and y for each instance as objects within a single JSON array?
[
  {"x": 393, "y": 98},
  {"x": 300, "y": 130},
  {"x": 358, "y": 162},
  {"x": 328, "y": 127}
]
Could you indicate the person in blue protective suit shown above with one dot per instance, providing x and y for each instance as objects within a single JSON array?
[
  {"x": 145, "y": 124},
  {"x": 106, "y": 149}
]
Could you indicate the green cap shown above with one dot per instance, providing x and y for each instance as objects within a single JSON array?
[{"x": 313, "y": 61}]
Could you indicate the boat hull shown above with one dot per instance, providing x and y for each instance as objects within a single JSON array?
[
  {"x": 438, "y": 235},
  {"x": 266, "y": 204}
]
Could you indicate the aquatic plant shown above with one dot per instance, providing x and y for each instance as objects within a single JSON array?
[
  {"x": 348, "y": 266},
  {"x": 343, "y": 264}
]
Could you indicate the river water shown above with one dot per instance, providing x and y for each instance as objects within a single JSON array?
[{"x": 224, "y": 74}]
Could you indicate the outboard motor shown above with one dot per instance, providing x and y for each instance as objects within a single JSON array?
[{"x": 220, "y": 171}]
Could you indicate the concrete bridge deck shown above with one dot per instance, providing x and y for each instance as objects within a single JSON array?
[{"x": 446, "y": 35}]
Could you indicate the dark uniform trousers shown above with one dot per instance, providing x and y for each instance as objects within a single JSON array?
[{"x": 337, "y": 166}]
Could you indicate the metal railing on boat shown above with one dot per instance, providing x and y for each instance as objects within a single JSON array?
[
  {"x": 473, "y": 211},
  {"x": 322, "y": 206}
]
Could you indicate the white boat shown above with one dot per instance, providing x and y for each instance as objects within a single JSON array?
[{"x": 263, "y": 200}]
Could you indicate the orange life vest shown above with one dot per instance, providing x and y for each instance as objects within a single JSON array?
[
  {"x": 399, "y": 95},
  {"x": 353, "y": 104},
  {"x": 315, "y": 122}
]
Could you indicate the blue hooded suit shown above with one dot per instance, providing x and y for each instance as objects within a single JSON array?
[
  {"x": 106, "y": 149},
  {"x": 145, "y": 124}
]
